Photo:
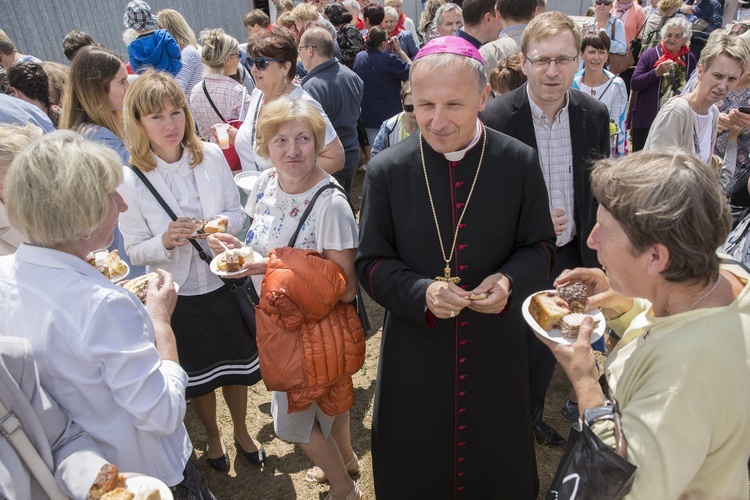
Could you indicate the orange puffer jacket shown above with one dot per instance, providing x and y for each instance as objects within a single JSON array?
[{"x": 309, "y": 343}]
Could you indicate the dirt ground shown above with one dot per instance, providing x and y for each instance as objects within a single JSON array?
[{"x": 283, "y": 477}]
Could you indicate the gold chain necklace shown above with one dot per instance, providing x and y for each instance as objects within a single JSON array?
[{"x": 447, "y": 271}]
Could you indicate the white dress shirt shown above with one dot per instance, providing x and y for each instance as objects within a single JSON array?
[
  {"x": 145, "y": 220},
  {"x": 93, "y": 343}
]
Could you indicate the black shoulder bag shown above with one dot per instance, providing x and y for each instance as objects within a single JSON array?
[
  {"x": 358, "y": 302},
  {"x": 242, "y": 289},
  {"x": 589, "y": 468}
]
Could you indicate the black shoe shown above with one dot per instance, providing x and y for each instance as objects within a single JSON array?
[
  {"x": 547, "y": 436},
  {"x": 254, "y": 457},
  {"x": 221, "y": 463}
]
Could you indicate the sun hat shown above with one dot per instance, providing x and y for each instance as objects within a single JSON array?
[{"x": 138, "y": 16}]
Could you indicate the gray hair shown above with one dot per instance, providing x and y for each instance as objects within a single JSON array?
[
  {"x": 677, "y": 22},
  {"x": 13, "y": 138},
  {"x": 689, "y": 214},
  {"x": 350, "y": 4},
  {"x": 446, "y": 7},
  {"x": 72, "y": 178},
  {"x": 391, "y": 11},
  {"x": 435, "y": 62}
]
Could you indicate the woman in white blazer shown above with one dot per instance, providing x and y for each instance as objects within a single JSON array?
[{"x": 215, "y": 346}]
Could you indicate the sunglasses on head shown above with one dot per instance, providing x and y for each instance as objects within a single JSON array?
[
  {"x": 408, "y": 108},
  {"x": 261, "y": 62}
]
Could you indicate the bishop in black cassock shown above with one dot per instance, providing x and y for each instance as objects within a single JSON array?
[{"x": 451, "y": 413}]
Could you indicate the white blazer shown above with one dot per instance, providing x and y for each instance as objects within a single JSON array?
[{"x": 144, "y": 222}]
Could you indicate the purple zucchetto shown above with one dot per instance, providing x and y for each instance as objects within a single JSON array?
[{"x": 449, "y": 45}]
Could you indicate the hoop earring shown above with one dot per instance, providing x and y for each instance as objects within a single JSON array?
[{"x": 88, "y": 235}]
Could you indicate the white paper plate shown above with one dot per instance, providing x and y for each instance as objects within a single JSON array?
[
  {"x": 143, "y": 483},
  {"x": 215, "y": 266},
  {"x": 246, "y": 180},
  {"x": 555, "y": 334},
  {"x": 120, "y": 277}
]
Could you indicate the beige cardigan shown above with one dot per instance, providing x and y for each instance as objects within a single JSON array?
[{"x": 673, "y": 126}]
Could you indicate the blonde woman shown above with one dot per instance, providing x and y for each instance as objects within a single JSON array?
[
  {"x": 92, "y": 106},
  {"x": 13, "y": 138},
  {"x": 216, "y": 348},
  {"x": 192, "y": 68},
  {"x": 221, "y": 57}
]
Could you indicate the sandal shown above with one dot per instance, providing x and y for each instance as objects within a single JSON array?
[
  {"x": 316, "y": 474},
  {"x": 355, "y": 494}
]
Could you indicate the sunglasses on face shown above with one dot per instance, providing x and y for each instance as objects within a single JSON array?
[
  {"x": 409, "y": 108},
  {"x": 603, "y": 2},
  {"x": 261, "y": 62}
]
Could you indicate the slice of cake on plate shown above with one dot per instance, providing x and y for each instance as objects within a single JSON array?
[{"x": 547, "y": 309}]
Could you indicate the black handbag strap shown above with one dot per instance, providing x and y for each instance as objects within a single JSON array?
[
  {"x": 169, "y": 211},
  {"x": 211, "y": 102},
  {"x": 306, "y": 213}
]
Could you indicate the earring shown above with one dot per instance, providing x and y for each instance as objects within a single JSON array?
[{"x": 88, "y": 235}]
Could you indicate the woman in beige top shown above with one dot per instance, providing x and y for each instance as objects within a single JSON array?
[{"x": 13, "y": 139}]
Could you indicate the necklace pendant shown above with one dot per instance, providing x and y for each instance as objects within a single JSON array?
[{"x": 447, "y": 277}]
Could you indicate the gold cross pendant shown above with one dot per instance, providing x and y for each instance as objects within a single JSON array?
[{"x": 447, "y": 277}]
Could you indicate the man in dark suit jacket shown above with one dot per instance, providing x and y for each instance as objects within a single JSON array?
[{"x": 569, "y": 130}]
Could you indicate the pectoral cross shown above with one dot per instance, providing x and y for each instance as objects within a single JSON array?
[{"x": 447, "y": 277}]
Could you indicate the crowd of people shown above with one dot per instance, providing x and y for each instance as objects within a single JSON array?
[{"x": 506, "y": 151}]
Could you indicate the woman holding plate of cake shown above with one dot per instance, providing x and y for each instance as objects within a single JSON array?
[
  {"x": 291, "y": 133},
  {"x": 683, "y": 318},
  {"x": 192, "y": 178}
]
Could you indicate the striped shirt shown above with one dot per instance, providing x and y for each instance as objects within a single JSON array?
[{"x": 555, "y": 150}]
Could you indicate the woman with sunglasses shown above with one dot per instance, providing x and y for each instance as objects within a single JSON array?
[
  {"x": 218, "y": 91},
  {"x": 273, "y": 58},
  {"x": 399, "y": 127},
  {"x": 612, "y": 26}
]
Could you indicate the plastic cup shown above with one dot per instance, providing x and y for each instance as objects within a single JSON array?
[{"x": 222, "y": 134}]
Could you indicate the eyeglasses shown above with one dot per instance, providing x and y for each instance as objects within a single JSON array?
[
  {"x": 261, "y": 62},
  {"x": 409, "y": 108},
  {"x": 603, "y": 2},
  {"x": 544, "y": 62},
  {"x": 306, "y": 46},
  {"x": 237, "y": 55}
]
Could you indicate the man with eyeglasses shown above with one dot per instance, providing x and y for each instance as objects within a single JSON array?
[
  {"x": 338, "y": 90},
  {"x": 569, "y": 130}
]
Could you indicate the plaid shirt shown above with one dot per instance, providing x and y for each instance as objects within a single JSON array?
[
  {"x": 229, "y": 97},
  {"x": 555, "y": 150}
]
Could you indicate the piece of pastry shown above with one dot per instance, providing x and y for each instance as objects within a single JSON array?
[
  {"x": 118, "y": 494},
  {"x": 232, "y": 260},
  {"x": 148, "y": 494},
  {"x": 570, "y": 324},
  {"x": 139, "y": 285},
  {"x": 107, "y": 480},
  {"x": 575, "y": 295},
  {"x": 547, "y": 309},
  {"x": 200, "y": 225},
  {"x": 116, "y": 265},
  {"x": 215, "y": 225}
]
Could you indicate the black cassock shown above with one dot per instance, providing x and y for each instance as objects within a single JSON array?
[{"x": 451, "y": 416}]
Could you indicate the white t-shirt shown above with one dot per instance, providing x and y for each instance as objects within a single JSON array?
[
  {"x": 276, "y": 214},
  {"x": 244, "y": 143},
  {"x": 702, "y": 125}
]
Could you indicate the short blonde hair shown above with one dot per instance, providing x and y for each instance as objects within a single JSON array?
[
  {"x": 217, "y": 45},
  {"x": 177, "y": 26},
  {"x": 667, "y": 5},
  {"x": 13, "y": 138},
  {"x": 721, "y": 43},
  {"x": 284, "y": 110},
  {"x": 305, "y": 12},
  {"x": 145, "y": 97},
  {"x": 546, "y": 26},
  {"x": 58, "y": 188},
  {"x": 689, "y": 214}
]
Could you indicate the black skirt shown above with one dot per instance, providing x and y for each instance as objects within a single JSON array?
[{"x": 214, "y": 344}]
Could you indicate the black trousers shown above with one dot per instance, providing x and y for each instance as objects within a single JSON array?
[
  {"x": 541, "y": 360},
  {"x": 638, "y": 137}
]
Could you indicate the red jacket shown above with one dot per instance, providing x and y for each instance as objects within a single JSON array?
[{"x": 309, "y": 343}]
